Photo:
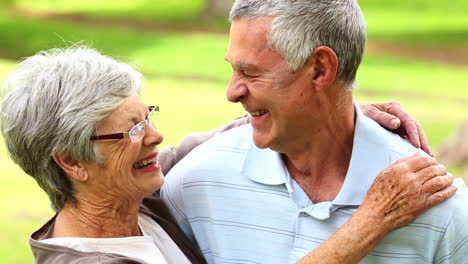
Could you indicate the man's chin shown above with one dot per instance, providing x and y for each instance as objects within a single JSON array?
[{"x": 261, "y": 141}]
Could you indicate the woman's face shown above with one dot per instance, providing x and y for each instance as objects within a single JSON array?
[{"x": 123, "y": 174}]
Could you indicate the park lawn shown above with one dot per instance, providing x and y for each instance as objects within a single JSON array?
[
  {"x": 198, "y": 56},
  {"x": 413, "y": 77},
  {"x": 180, "y": 11},
  {"x": 427, "y": 28},
  {"x": 186, "y": 75},
  {"x": 423, "y": 22}
]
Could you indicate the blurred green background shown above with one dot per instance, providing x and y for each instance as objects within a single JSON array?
[{"x": 417, "y": 54}]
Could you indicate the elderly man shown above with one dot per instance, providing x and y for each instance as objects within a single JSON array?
[{"x": 271, "y": 191}]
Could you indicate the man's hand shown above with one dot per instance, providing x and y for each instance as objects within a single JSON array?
[
  {"x": 392, "y": 116},
  {"x": 405, "y": 189}
]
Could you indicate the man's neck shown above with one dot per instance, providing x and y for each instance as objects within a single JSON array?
[{"x": 320, "y": 166}]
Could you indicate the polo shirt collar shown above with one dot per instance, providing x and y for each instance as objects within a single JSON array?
[
  {"x": 369, "y": 155},
  {"x": 264, "y": 166}
]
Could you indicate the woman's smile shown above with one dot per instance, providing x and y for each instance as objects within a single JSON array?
[{"x": 148, "y": 164}]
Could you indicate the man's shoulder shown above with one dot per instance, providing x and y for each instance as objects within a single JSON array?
[
  {"x": 458, "y": 205},
  {"x": 453, "y": 211},
  {"x": 237, "y": 138},
  {"x": 379, "y": 137}
]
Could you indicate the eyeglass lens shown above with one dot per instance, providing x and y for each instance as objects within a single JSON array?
[{"x": 138, "y": 131}]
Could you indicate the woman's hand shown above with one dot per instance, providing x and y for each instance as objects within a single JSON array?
[{"x": 407, "y": 188}]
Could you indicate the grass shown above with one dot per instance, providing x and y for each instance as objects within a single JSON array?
[
  {"x": 180, "y": 11},
  {"x": 186, "y": 76},
  {"x": 409, "y": 76},
  {"x": 196, "y": 55},
  {"x": 423, "y": 22},
  {"x": 429, "y": 28}
]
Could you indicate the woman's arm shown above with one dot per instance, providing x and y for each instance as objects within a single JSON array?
[{"x": 399, "y": 194}]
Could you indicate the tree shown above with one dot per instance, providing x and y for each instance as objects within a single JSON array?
[{"x": 217, "y": 8}]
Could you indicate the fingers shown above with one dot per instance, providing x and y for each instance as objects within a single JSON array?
[
  {"x": 405, "y": 159},
  {"x": 424, "y": 142},
  {"x": 434, "y": 174},
  {"x": 420, "y": 161},
  {"x": 392, "y": 116},
  {"x": 408, "y": 187},
  {"x": 410, "y": 125},
  {"x": 379, "y": 113},
  {"x": 417, "y": 136},
  {"x": 437, "y": 183},
  {"x": 386, "y": 120},
  {"x": 440, "y": 196},
  {"x": 412, "y": 130}
]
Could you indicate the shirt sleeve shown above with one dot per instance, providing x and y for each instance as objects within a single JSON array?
[
  {"x": 169, "y": 156},
  {"x": 453, "y": 248}
]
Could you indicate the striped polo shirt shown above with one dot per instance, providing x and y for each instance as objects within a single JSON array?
[{"x": 240, "y": 204}]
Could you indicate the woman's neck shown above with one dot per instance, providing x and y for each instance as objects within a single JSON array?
[{"x": 100, "y": 219}]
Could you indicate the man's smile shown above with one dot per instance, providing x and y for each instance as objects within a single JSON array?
[{"x": 258, "y": 112}]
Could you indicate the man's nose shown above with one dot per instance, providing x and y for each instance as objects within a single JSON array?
[{"x": 236, "y": 90}]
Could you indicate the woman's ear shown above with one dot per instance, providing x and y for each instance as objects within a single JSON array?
[
  {"x": 324, "y": 65},
  {"x": 71, "y": 167}
]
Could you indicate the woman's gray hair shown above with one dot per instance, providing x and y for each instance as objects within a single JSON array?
[
  {"x": 300, "y": 26},
  {"x": 54, "y": 103}
]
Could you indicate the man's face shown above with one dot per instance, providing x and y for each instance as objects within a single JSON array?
[{"x": 278, "y": 101}]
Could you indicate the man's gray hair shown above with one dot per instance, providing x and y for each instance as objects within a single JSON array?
[
  {"x": 300, "y": 26},
  {"x": 54, "y": 103}
]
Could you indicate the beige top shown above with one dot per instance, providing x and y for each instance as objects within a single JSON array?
[{"x": 155, "y": 246}]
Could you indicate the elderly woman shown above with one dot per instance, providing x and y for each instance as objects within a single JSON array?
[{"x": 76, "y": 123}]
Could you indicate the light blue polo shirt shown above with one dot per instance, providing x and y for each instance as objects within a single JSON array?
[{"x": 239, "y": 203}]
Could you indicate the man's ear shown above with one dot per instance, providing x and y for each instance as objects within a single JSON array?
[
  {"x": 324, "y": 65},
  {"x": 71, "y": 167}
]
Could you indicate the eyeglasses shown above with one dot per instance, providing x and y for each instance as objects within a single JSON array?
[{"x": 137, "y": 132}]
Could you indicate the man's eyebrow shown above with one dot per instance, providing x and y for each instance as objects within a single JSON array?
[{"x": 241, "y": 66}]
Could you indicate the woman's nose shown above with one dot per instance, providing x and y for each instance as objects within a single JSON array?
[{"x": 152, "y": 136}]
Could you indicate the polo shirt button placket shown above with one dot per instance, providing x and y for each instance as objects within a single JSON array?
[{"x": 298, "y": 244}]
